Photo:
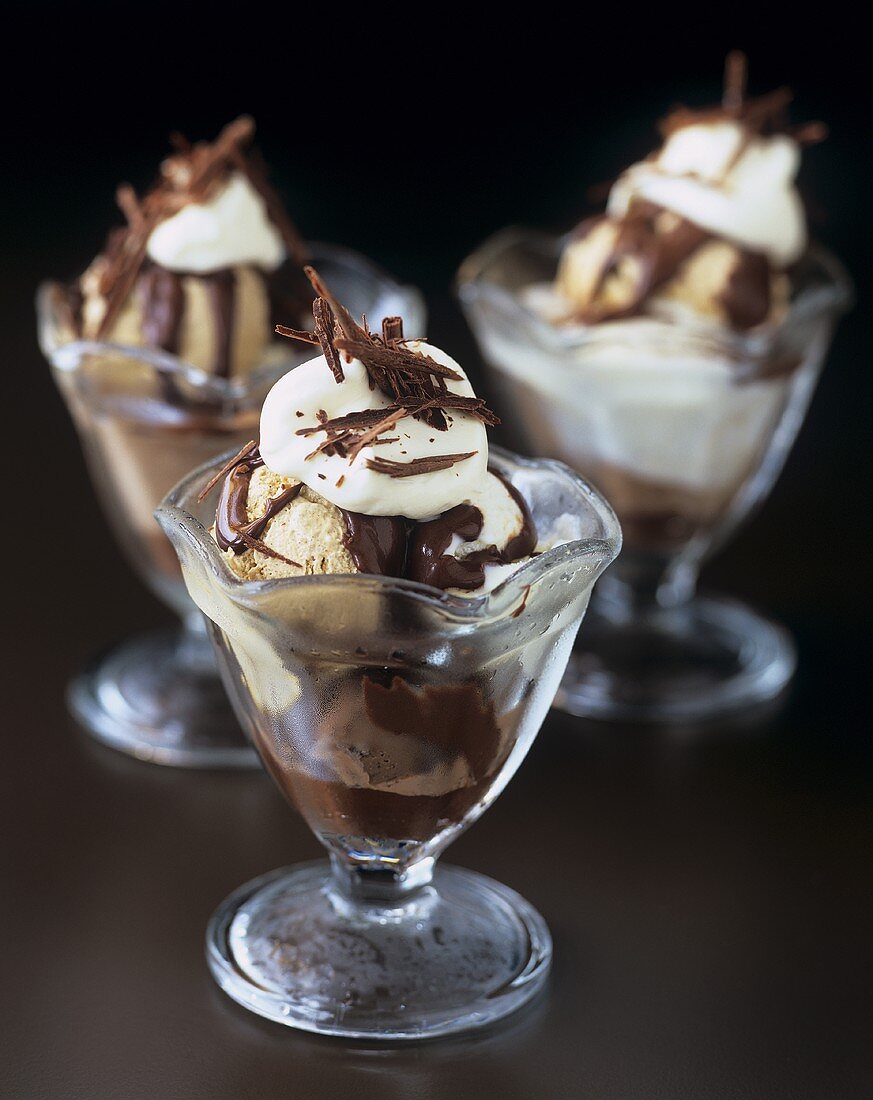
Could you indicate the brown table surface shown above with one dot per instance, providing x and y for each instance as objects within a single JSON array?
[{"x": 709, "y": 891}]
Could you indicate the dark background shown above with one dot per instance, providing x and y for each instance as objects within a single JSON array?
[{"x": 709, "y": 890}]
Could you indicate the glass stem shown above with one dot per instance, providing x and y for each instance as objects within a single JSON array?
[
  {"x": 194, "y": 649},
  {"x": 377, "y": 881},
  {"x": 638, "y": 586}
]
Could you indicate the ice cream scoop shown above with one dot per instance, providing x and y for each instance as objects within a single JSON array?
[
  {"x": 708, "y": 223},
  {"x": 206, "y": 259},
  {"x": 373, "y": 458}
]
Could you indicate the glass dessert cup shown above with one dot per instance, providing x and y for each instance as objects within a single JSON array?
[
  {"x": 391, "y": 716},
  {"x": 606, "y": 400},
  {"x": 146, "y": 418}
]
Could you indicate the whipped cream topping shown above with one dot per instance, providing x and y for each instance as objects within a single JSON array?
[
  {"x": 231, "y": 229},
  {"x": 738, "y": 187},
  {"x": 310, "y": 392}
]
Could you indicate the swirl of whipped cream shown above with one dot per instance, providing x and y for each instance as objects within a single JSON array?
[
  {"x": 309, "y": 391},
  {"x": 739, "y": 188},
  {"x": 231, "y": 229}
]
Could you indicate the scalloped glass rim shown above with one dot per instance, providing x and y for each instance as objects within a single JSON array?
[
  {"x": 67, "y": 356},
  {"x": 490, "y": 606},
  {"x": 472, "y": 280}
]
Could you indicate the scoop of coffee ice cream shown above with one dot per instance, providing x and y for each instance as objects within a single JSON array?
[{"x": 306, "y": 535}]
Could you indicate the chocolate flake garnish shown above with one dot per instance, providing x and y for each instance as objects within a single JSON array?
[
  {"x": 242, "y": 453},
  {"x": 416, "y": 382},
  {"x": 427, "y": 465},
  {"x": 297, "y": 334},
  {"x": 762, "y": 115},
  {"x": 325, "y": 324},
  {"x": 395, "y": 359},
  {"x": 735, "y": 75},
  {"x": 257, "y": 544}
]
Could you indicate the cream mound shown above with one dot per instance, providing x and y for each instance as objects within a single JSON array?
[
  {"x": 310, "y": 392},
  {"x": 230, "y": 229},
  {"x": 737, "y": 186}
]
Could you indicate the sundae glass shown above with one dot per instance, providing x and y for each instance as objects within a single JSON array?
[
  {"x": 668, "y": 349},
  {"x": 392, "y": 610},
  {"x": 163, "y": 351}
]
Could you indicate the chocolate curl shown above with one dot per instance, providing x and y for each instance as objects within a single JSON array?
[
  {"x": 349, "y": 326},
  {"x": 427, "y": 465},
  {"x": 129, "y": 204},
  {"x": 242, "y": 454},
  {"x": 736, "y": 68}
]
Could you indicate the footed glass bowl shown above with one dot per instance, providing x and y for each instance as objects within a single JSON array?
[
  {"x": 391, "y": 715},
  {"x": 685, "y": 427},
  {"x": 145, "y": 419}
]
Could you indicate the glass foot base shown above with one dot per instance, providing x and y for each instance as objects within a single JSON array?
[
  {"x": 456, "y": 955},
  {"x": 690, "y": 664},
  {"x": 158, "y": 697}
]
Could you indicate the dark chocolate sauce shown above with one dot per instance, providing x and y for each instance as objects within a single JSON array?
[
  {"x": 659, "y": 255},
  {"x": 231, "y": 516},
  {"x": 428, "y": 562},
  {"x": 454, "y": 717},
  {"x": 389, "y": 546},
  {"x": 746, "y": 297},
  {"x": 163, "y": 300},
  {"x": 377, "y": 544},
  {"x": 221, "y": 287}
]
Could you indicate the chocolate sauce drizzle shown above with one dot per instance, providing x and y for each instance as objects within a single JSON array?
[
  {"x": 377, "y": 544},
  {"x": 232, "y": 523},
  {"x": 221, "y": 288},
  {"x": 163, "y": 299},
  {"x": 390, "y": 546},
  {"x": 429, "y": 563},
  {"x": 658, "y": 256}
]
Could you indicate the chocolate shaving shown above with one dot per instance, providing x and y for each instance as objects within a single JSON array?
[
  {"x": 372, "y": 434},
  {"x": 354, "y": 421},
  {"x": 128, "y": 204},
  {"x": 242, "y": 453},
  {"x": 395, "y": 359},
  {"x": 427, "y": 465},
  {"x": 257, "y": 544},
  {"x": 809, "y": 133},
  {"x": 296, "y": 334},
  {"x": 735, "y": 74},
  {"x": 762, "y": 115},
  {"x": 325, "y": 323},
  {"x": 414, "y": 381}
]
